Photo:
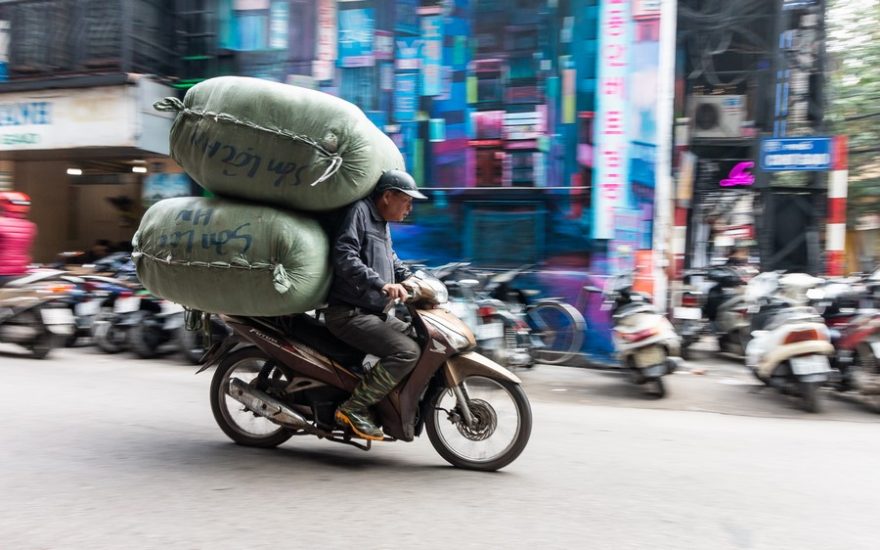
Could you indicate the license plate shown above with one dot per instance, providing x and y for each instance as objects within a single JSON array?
[
  {"x": 127, "y": 305},
  {"x": 57, "y": 316},
  {"x": 650, "y": 356},
  {"x": 688, "y": 313},
  {"x": 810, "y": 364},
  {"x": 84, "y": 309},
  {"x": 875, "y": 347},
  {"x": 489, "y": 330}
]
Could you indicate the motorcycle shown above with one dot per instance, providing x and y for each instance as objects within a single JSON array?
[
  {"x": 32, "y": 313},
  {"x": 501, "y": 334},
  {"x": 790, "y": 343},
  {"x": 155, "y": 328},
  {"x": 196, "y": 341},
  {"x": 847, "y": 306},
  {"x": 117, "y": 315},
  {"x": 687, "y": 317},
  {"x": 726, "y": 310},
  {"x": 279, "y": 379},
  {"x": 644, "y": 341}
]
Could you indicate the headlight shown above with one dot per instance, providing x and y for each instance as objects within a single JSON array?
[
  {"x": 441, "y": 293},
  {"x": 460, "y": 342}
]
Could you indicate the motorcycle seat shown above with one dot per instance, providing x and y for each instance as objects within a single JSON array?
[{"x": 311, "y": 332}]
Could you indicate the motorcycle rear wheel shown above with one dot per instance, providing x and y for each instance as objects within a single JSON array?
[
  {"x": 485, "y": 446},
  {"x": 42, "y": 346},
  {"x": 241, "y": 425},
  {"x": 656, "y": 388},
  {"x": 145, "y": 338},
  {"x": 809, "y": 395}
]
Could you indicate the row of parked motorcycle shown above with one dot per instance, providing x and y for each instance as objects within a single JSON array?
[
  {"x": 513, "y": 325},
  {"x": 795, "y": 332},
  {"x": 50, "y": 308},
  {"x": 517, "y": 327}
]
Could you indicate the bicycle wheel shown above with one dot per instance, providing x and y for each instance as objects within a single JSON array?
[{"x": 561, "y": 329}]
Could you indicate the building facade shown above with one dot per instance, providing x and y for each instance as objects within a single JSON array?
[{"x": 537, "y": 127}]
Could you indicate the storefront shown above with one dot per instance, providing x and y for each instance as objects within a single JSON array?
[{"x": 82, "y": 155}]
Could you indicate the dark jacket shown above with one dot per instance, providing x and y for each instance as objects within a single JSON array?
[{"x": 364, "y": 260}]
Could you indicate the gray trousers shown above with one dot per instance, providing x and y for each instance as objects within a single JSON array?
[{"x": 370, "y": 333}]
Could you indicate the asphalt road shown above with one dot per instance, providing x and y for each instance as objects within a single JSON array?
[{"x": 103, "y": 451}]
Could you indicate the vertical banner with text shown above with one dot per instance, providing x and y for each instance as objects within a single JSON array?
[
  {"x": 325, "y": 54},
  {"x": 610, "y": 161},
  {"x": 356, "y": 36},
  {"x": 432, "y": 55}
]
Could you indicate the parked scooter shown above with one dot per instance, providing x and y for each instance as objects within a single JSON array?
[
  {"x": 501, "y": 333},
  {"x": 790, "y": 343},
  {"x": 272, "y": 384},
  {"x": 848, "y": 308},
  {"x": 196, "y": 342},
  {"x": 32, "y": 315},
  {"x": 95, "y": 296},
  {"x": 156, "y": 327},
  {"x": 726, "y": 310},
  {"x": 644, "y": 341},
  {"x": 688, "y": 317},
  {"x": 115, "y": 318}
]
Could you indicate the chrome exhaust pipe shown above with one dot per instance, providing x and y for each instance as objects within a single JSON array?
[{"x": 266, "y": 406}]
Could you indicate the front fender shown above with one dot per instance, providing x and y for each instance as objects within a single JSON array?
[{"x": 459, "y": 367}]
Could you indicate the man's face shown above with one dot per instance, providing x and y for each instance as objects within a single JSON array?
[{"x": 395, "y": 206}]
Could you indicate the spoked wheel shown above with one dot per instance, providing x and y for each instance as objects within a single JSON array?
[
  {"x": 561, "y": 329},
  {"x": 236, "y": 421},
  {"x": 501, "y": 429}
]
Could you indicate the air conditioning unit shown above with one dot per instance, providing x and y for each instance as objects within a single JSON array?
[{"x": 717, "y": 116}]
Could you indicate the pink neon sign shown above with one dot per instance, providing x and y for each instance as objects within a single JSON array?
[{"x": 739, "y": 175}]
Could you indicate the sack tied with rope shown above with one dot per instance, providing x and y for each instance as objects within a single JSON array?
[
  {"x": 277, "y": 144},
  {"x": 222, "y": 256}
]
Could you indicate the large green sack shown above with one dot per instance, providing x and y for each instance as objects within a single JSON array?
[
  {"x": 222, "y": 256},
  {"x": 278, "y": 144}
]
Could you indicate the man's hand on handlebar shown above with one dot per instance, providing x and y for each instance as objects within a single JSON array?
[{"x": 396, "y": 292}]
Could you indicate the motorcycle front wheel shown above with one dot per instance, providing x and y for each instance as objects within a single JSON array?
[
  {"x": 108, "y": 337},
  {"x": 501, "y": 429},
  {"x": 241, "y": 425}
]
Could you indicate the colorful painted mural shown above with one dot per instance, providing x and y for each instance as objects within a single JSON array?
[{"x": 531, "y": 124}]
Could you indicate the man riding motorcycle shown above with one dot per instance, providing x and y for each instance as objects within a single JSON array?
[
  {"x": 16, "y": 235},
  {"x": 367, "y": 275}
]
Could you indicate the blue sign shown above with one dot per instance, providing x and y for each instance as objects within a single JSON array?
[
  {"x": 356, "y": 38},
  {"x": 405, "y": 98},
  {"x": 432, "y": 55},
  {"x": 802, "y": 154}
]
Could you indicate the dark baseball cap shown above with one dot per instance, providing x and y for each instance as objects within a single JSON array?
[{"x": 398, "y": 180}]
